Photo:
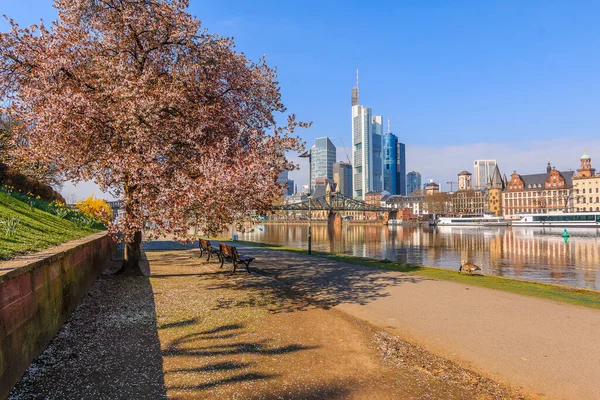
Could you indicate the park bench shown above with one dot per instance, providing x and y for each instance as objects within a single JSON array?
[
  {"x": 231, "y": 253},
  {"x": 206, "y": 246}
]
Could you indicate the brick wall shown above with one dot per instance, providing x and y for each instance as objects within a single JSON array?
[{"x": 37, "y": 295}]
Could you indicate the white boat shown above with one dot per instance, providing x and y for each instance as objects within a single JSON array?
[
  {"x": 559, "y": 219},
  {"x": 473, "y": 220}
]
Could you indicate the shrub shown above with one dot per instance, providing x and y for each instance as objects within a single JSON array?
[
  {"x": 13, "y": 179},
  {"x": 96, "y": 209}
]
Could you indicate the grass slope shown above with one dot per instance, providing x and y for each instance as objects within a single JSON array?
[
  {"x": 38, "y": 229},
  {"x": 566, "y": 294}
]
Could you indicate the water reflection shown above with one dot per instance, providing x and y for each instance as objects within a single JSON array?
[{"x": 538, "y": 254}]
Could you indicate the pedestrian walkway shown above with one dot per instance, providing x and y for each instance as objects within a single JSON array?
[
  {"x": 191, "y": 331},
  {"x": 548, "y": 348}
]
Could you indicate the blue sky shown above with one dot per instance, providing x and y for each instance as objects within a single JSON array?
[{"x": 512, "y": 80}]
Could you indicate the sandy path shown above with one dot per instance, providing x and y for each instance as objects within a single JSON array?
[
  {"x": 548, "y": 348},
  {"x": 249, "y": 337}
]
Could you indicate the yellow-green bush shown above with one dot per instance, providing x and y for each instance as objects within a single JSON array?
[{"x": 95, "y": 208}]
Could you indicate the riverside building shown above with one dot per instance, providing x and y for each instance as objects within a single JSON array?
[
  {"x": 538, "y": 193},
  {"x": 586, "y": 186}
]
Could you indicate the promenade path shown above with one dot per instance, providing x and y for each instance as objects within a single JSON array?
[
  {"x": 309, "y": 327},
  {"x": 547, "y": 348}
]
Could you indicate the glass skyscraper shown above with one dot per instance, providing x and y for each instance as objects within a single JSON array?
[
  {"x": 321, "y": 158},
  {"x": 367, "y": 133},
  {"x": 394, "y": 164},
  {"x": 390, "y": 163},
  {"x": 401, "y": 168},
  {"x": 284, "y": 180},
  {"x": 413, "y": 182}
]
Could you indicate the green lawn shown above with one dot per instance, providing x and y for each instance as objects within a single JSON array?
[
  {"x": 37, "y": 229},
  {"x": 566, "y": 294}
]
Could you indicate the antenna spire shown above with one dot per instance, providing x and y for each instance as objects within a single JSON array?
[
  {"x": 357, "y": 84},
  {"x": 355, "y": 101},
  {"x": 389, "y": 130}
]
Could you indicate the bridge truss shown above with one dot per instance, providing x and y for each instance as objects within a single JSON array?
[{"x": 330, "y": 202}]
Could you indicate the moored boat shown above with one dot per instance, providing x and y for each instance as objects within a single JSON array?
[
  {"x": 473, "y": 220},
  {"x": 577, "y": 219}
]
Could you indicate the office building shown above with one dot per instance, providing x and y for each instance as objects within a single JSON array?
[
  {"x": 390, "y": 163},
  {"x": 413, "y": 182},
  {"x": 482, "y": 172},
  {"x": 286, "y": 183},
  {"x": 321, "y": 157},
  {"x": 342, "y": 177},
  {"x": 394, "y": 164},
  {"x": 401, "y": 169},
  {"x": 367, "y": 132}
]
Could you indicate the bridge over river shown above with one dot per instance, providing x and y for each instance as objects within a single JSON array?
[{"x": 334, "y": 204}]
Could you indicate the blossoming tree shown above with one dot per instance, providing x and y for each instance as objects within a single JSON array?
[{"x": 135, "y": 96}]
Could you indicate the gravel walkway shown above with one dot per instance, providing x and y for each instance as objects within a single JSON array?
[{"x": 191, "y": 331}]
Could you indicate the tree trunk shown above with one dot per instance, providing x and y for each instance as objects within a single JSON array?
[
  {"x": 133, "y": 245},
  {"x": 133, "y": 256}
]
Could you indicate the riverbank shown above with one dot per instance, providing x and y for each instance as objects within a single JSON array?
[
  {"x": 531, "y": 254},
  {"x": 562, "y": 293},
  {"x": 190, "y": 330}
]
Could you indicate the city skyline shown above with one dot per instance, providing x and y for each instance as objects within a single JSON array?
[{"x": 500, "y": 87}]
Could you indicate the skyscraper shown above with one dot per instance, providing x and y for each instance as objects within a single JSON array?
[
  {"x": 284, "y": 181},
  {"x": 482, "y": 171},
  {"x": 394, "y": 164},
  {"x": 401, "y": 168},
  {"x": 321, "y": 157},
  {"x": 366, "y": 148},
  {"x": 413, "y": 182},
  {"x": 390, "y": 162},
  {"x": 342, "y": 177}
]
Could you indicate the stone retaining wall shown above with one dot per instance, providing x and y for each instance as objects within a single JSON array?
[{"x": 37, "y": 295}]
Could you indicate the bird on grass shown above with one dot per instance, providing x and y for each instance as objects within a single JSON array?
[{"x": 468, "y": 267}]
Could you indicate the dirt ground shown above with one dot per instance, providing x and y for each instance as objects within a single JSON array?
[{"x": 191, "y": 331}]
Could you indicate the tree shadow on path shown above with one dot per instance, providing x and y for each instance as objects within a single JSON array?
[
  {"x": 218, "y": 357},
  {"x": 294, "y": 282}
]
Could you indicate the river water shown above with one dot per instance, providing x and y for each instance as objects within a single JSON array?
[{"x": 536, "y": 254}]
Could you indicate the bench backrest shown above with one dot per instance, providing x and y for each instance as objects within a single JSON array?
[
  {"x": 228, "y": 251},
  {"x": 205, "y": 244}
]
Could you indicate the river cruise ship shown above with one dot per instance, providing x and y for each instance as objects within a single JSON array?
[
  {"x": 472, "y": 220},
  {"x": 581, "y": 219}
]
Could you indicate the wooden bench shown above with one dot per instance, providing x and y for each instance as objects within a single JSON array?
[
  {"x": 206, "y": 246},
  {"x": 231, "y": 253}
]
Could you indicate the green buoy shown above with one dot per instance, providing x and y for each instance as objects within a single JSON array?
[{"x": 565, "y": 233}]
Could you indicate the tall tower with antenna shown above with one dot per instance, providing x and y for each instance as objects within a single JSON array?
[
  {"x": 355, "y": 91},
  {"x": 367, "y": 132}
]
